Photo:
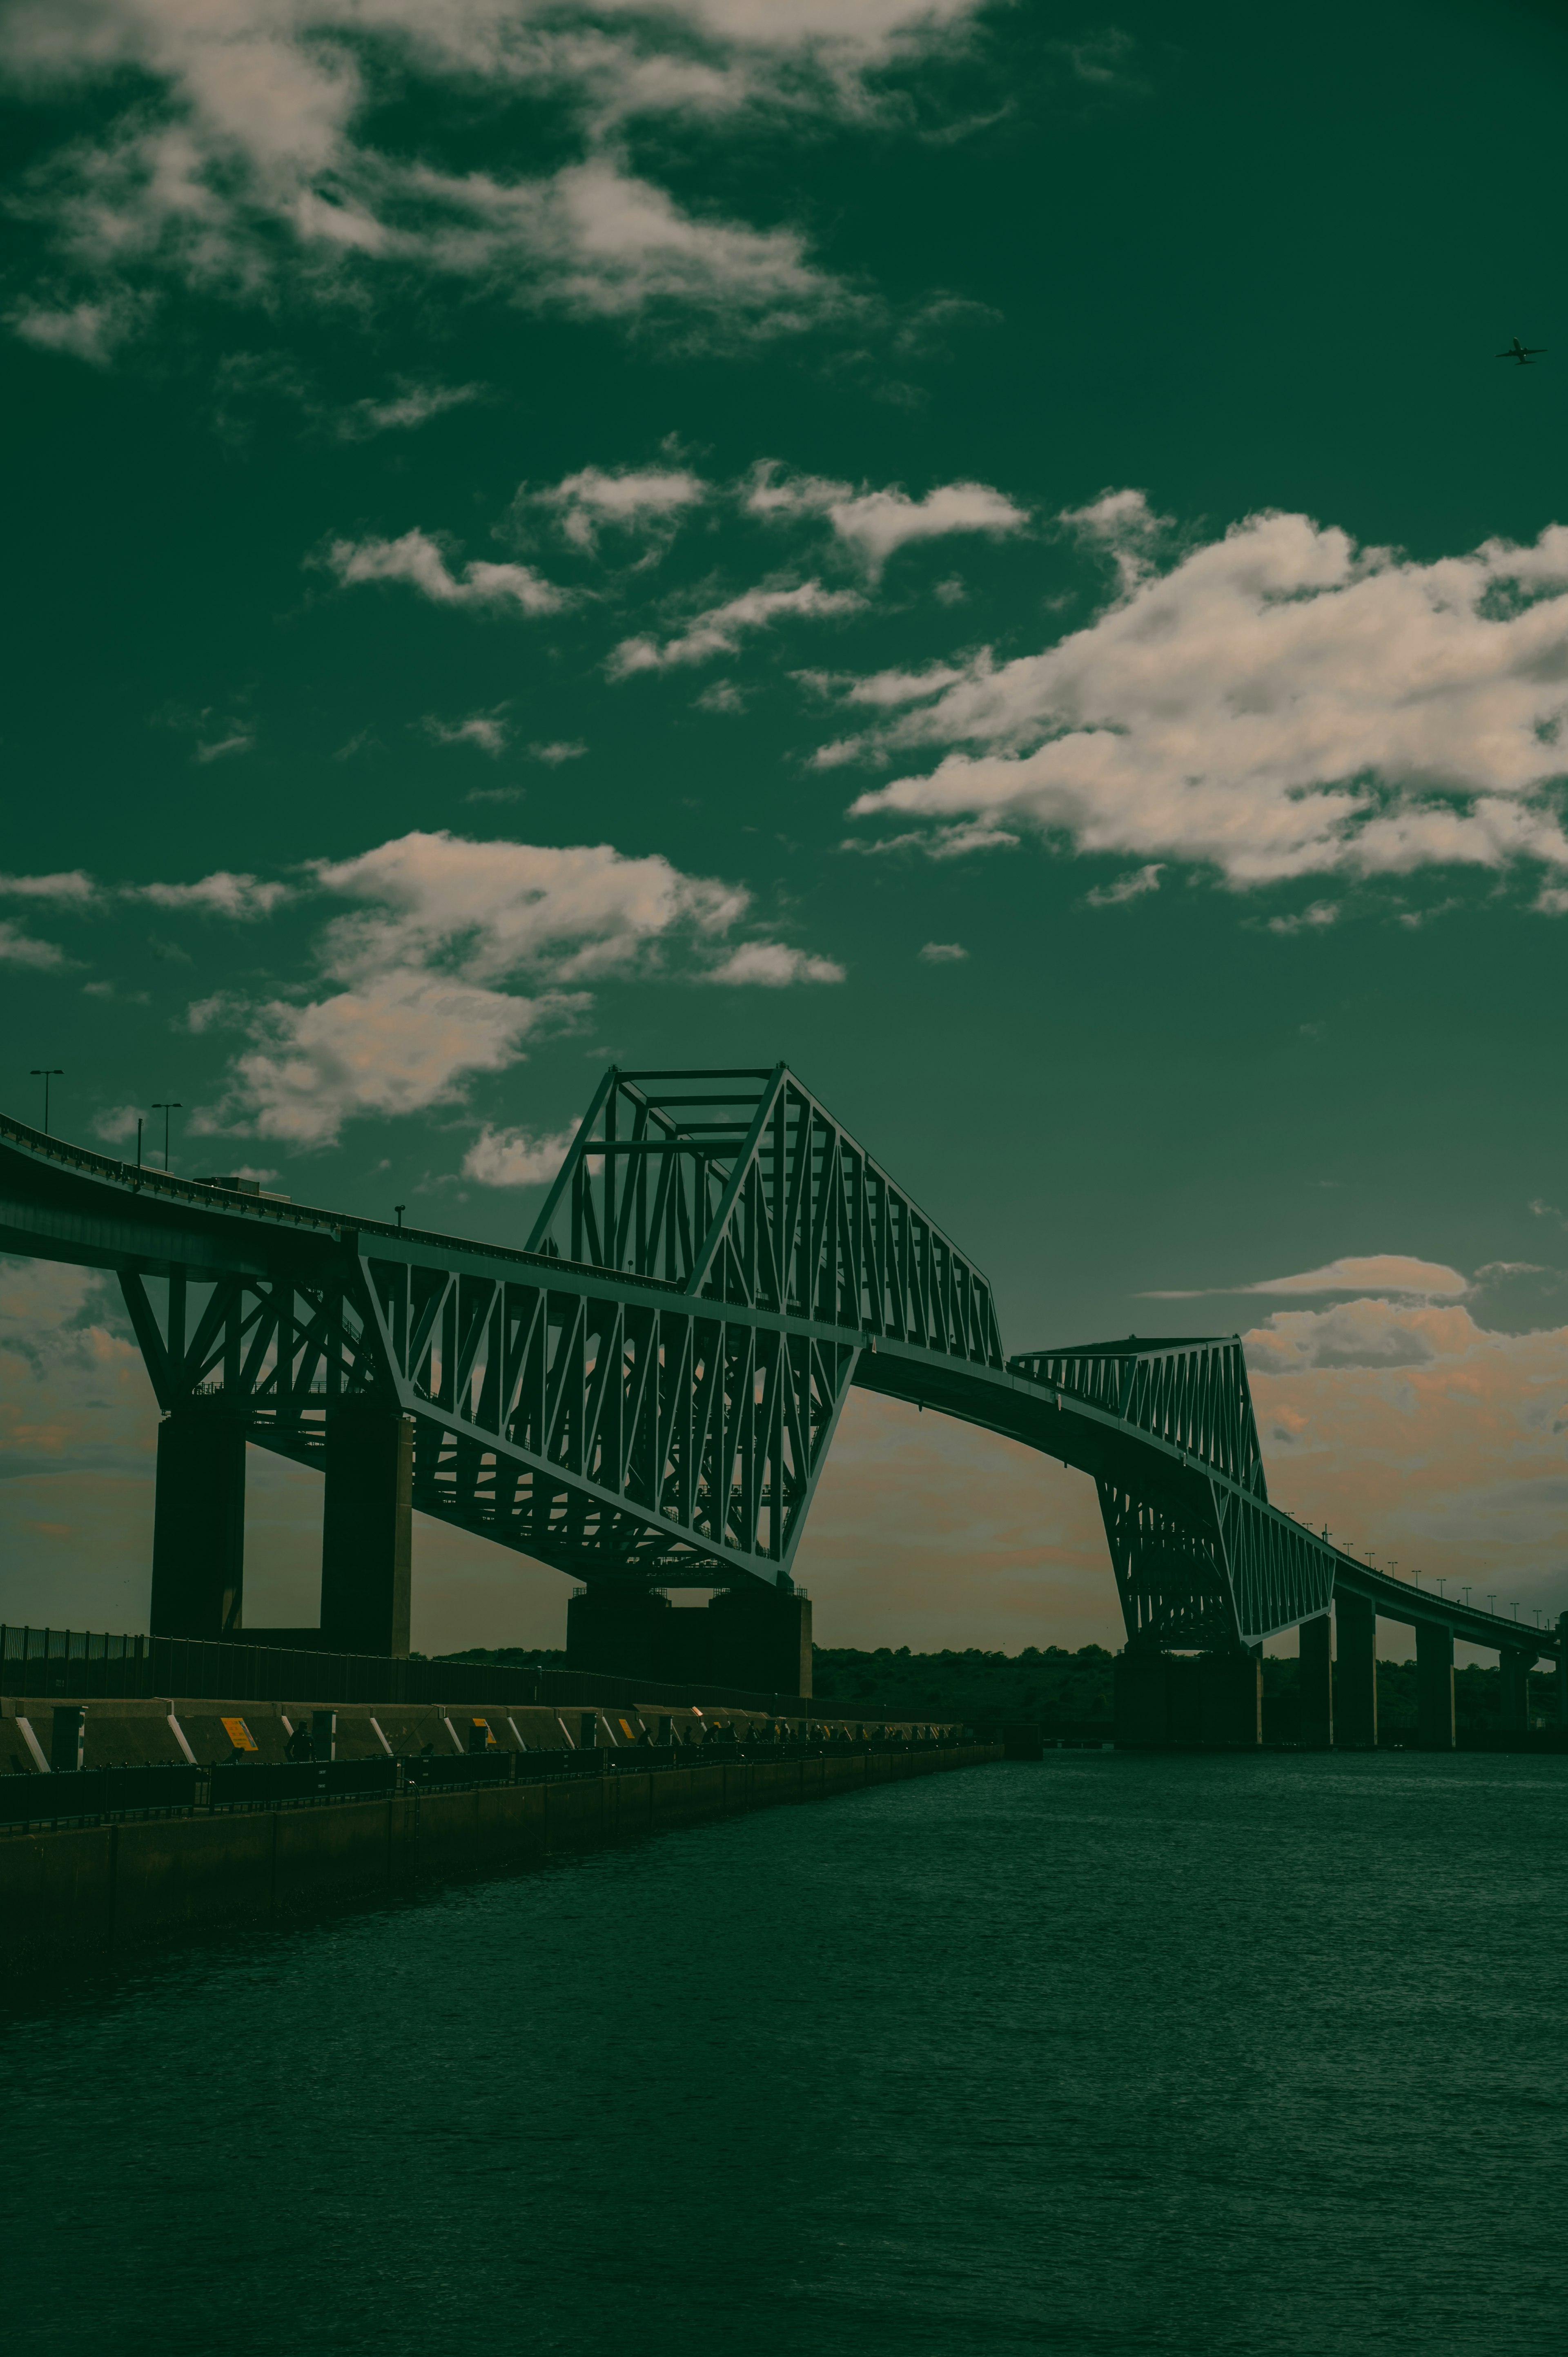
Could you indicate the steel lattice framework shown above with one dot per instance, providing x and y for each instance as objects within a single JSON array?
[{"x": 647, "y": 1392}]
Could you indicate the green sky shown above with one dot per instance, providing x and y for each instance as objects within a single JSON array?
[{"x": 984, "y": 551}]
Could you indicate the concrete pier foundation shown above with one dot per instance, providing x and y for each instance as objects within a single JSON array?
[
  {"x": 1316, "y": 1683},
  {"x": 1355, "y": 1674},
  {"x": 199, "y": 1523},
  {"x": 1434, "y": 1686},
  {"x": 367, "y": 1531},
  {"x": 1206, "y": 1702},
  {"x": 755, "y": 1637},
  {"x": 1514, "y": 1668}
]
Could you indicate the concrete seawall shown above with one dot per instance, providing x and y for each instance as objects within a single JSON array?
[{"x": 80, "y": 1893}]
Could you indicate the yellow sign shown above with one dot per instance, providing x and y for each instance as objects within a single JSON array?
[{"x": 239, "y": 1734}]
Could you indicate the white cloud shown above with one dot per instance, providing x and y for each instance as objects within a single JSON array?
[
  {"x": 873, "y": 523},
  {"x": 87, "y": 330},
  {"x": 223, "y": 894},
  {"x": 17, "y": 947},
  {"x": 70, "y": 886},
  {"x": 1383, "y": 1273},
  {"x": 117, "y": 1122},
  {"x": 774, "y": 966},
  {"x": 560, "y": 748},
  {"x": 415, "y": 405},
  {"x": 877, "y": 522},
  {"x": 944, "y": 954},
  {"x": 1126, "y": 888},
  {"x": 501, "y": 908},
  {"x": 721, "y": 629},
  {"x": 487, "y": 730},
  {"x": 420, "y": 969},
  {"x": 238, "y": 153},
  {"x": 398, "y": 1042},
  {"x": 623, "y": 498},
  {"x": 417, "y": 559},
  {"x": 238, "y": 743},
  {"x": 516, "y": 1157},
  {"x": 1279, "y": 702}
]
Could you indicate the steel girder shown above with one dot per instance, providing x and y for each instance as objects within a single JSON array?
[{"x": 649, "y": 1392}]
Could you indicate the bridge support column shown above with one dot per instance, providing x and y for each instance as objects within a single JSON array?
[
  {"x": 1514, "y": 1714},
  {"x": 198, "y": 1523},
  {"x": 367, "y": 1531},
  {"x": 760, "y": 1638},
  {"x": 623, "y": 1632},
  {"x": 1434, "y": 1686},
  {"x": 1314, "y": 1683},
  {"x": 1562, "y": 1669},
  {"x": 1204, "y": 1702},
  {"x": 1356, "y": 1674}
]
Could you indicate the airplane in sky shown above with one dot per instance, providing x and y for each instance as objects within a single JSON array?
[{"x": 1522, "y": 353}]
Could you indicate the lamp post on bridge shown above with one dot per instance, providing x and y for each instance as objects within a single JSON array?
[
  {"x": 47, "y": 1072},
  {"x": 171, "y": 1106},
  {"x": 1442, "y": 1579},
  {"x": 1492, "y": 1602}
]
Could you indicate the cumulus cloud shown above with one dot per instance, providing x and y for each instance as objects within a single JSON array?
[
  {"x": 236, "y": 152},
  {"x": 944, "y": 954},
  {"x": 774, "y": 966},
  {"x": 875, "y": 523},
  {"x": 1278, "y": 703},
  {"x": 516, "y": 1157},
  {"x": 1126, "y": 888},
  {"x": 17, "y": 947},
  {"x": 559, "y": 749},
  {"x": 721, "y": 629},
  {"x": 413, "y": 406},
  {"x": 1416, "y": 1432},
  {"x": 244, "y": 897},
  {"x": 418, "y": 560},
  {"x": 485, "y": 730},
  {"x": 396, "y": 1043},
  {"x": 449, "y": 957},
  {"x": 627, "y": 500},
  {"x": 72, "y": 887}
]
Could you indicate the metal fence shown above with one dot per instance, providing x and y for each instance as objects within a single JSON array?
[
  {"x": 94, "y": 1795},
  {"x": 43, "y": 1662}
]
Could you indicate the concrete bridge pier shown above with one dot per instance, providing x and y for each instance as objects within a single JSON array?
[
  {"x": 1434, "y": 1686},
  {"x": 1562, "y": 1669},
  {"x": 1514, "y": 1666},
  {"x": 367, "y": 1531},
  {"x": 1315, "y": 1682},
  {"x": 754, "y": 1637},
  {"x": 198, "y": 1523},
  {"x": 1208, "y": 1702},
  {"x": 1355, "y": 1675}
]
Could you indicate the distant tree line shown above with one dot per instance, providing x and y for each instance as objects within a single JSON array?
[{"x": 1070, "y": 1693}]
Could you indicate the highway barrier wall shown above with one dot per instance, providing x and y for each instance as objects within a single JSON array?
[{"x": 79, "y": 1893}]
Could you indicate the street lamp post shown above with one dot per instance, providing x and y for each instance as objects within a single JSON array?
[
  {"x": 399, "y": 1209},
  {"x": 47, "y": 1072},
  {"x": 171, "y": 1105}
]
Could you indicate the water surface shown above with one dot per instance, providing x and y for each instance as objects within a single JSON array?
[{"x": 1100, "y": 2054}]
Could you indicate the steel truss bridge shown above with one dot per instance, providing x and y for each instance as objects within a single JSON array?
[{"x": 644, "y": 1396}]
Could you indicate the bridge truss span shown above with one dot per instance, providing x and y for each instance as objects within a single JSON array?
[{"x": 645, "y": 1393}]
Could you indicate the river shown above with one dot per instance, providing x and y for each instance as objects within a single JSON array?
[{"x": 1105, "y": 2053}]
